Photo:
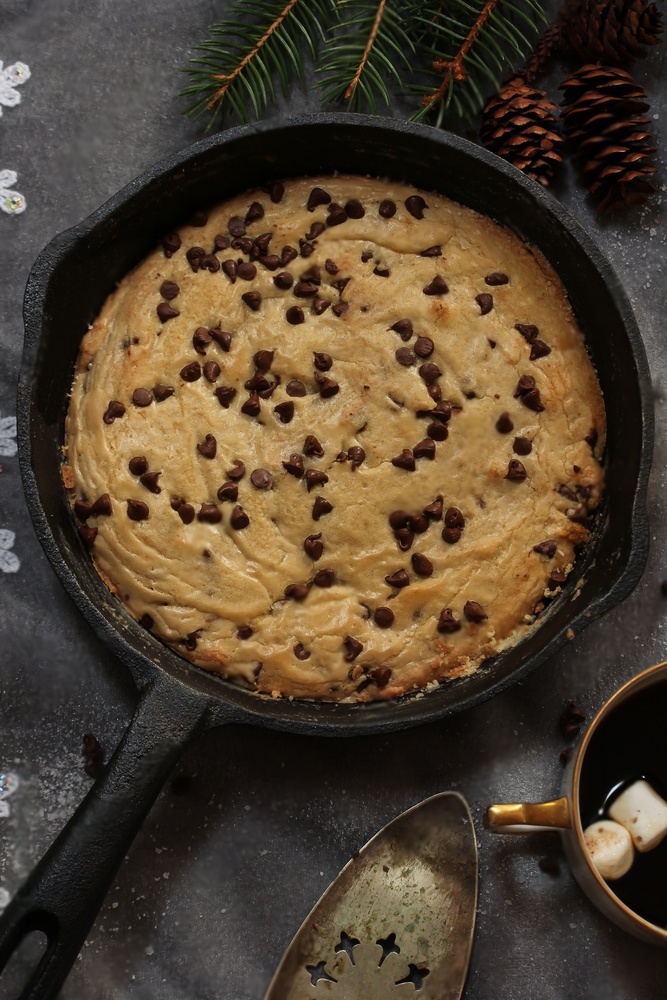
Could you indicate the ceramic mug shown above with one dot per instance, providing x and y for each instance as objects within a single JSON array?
[{"x": 563, "y": 814}]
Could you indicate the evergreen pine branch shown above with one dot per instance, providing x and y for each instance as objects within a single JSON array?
[
  {"x": 468, "y": 45},
  {"x": 363, "y": 55},
  {"x": 259, "y": 40}
]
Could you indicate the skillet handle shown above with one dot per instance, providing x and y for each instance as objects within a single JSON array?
[{"x": 65, "y": 891}]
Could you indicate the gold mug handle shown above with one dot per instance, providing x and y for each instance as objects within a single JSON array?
[{"x": 529, "y": 817}]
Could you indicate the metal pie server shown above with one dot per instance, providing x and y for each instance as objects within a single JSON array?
[{"x": 397, "y": 923}]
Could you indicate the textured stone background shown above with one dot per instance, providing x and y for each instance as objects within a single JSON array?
[{"x": 218, "y": 880}]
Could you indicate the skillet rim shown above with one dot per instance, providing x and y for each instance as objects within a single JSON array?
[{"x": 230, "y": 702}]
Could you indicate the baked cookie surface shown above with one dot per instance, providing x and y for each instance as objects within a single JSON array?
[{"x": 336, "y": 440}]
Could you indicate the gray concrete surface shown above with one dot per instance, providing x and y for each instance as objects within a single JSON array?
[{"x": 218, "y": 879}]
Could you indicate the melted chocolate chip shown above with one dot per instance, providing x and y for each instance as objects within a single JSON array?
[
  {"x": 321, "y": 507},
  {"x": 285, "y": 411},
  {"x": 383, "y": 617},
  {"x": 211, "y": 371},
  {"x": 406, "y": 460},
  {"x": 496, "y": 278},
  {"x": 208, "y": 446},
  {"x": 318, "y": 196},
  {"x": 474, "y": 612},
  {"x": 209, "y": 513},
  {"x": 522, "y": 446},
  {"x": 171, "y": 242},
  {"x": 137, "y": 510},
  {"x": 252, "y": 405},
  {"x": 114, "y": 410},
  {"x": 186, "y": 512},
  {"x": 295, "y": 387},
  {"x": 546, "y": 548},
  {"x": 225, "y": 394},
  {"x": 324, "y": 578},
  {"x": 239, "y": 518},
  {"x": 436, "y": 287},
  {"x": 356, "y": 455},
  {"x": 296, "y": 591},
  {"x": 421, "y": 564},
  {"x": 313, "y": 547},
  {"x": 504, "y": 424},
  {"x": 301, "y": 652},
  {"x": 485, "y": 302},
  {"x": 312, "y": 447},
  {"x": 387, "y": 208},
  {"x": 447, "y": 622},
  {"x": 162, "y": 392},
  {"x": 434, "y": 509},
  {"x": 398, "y": 579},
  {"x": 315, "y": 478},
  {"x": 294, "y": 315},
  {"x": 149, "y": 480},
  {"x": 237, "y": 470},
  {"x": 425, "y": 448},
  {"x": 228, "y": 491},
  {"x": 415, "y": 205},
  {"x": 405, "y": 356},
  {"x": 169, "y": 290},
  {"x": 516, "y": 470},
  {"x": 352, "y": 648},
  {"x": 191, "y": 372},
  {"x": 261, "y": 479},
  {"x": 166, "y": 312}
]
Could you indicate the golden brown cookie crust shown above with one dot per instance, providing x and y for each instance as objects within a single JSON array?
[{"x": 202, "y": 581}]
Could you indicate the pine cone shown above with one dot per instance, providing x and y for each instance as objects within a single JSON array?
[
  {"x": 612, "y": 31},
  {"x": 521, "y": 125},
  {"x": 604, "y": 123}
]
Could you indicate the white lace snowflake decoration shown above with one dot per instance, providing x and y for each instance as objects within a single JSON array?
[
  {"x": 11, "y": 201},
  {"x": 12, "y": 77},
  {"x": 9, "y": 561}
]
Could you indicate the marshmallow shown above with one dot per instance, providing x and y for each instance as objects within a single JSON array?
[
  {"x": 643, "y": 813},
  {"x": 610, "y": 848}
]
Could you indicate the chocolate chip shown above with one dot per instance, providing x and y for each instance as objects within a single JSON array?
[
  {"x": 327, "y": 386},
  {"x": 398, "y": 579},
  {"x": 504, "y": 424},
  {"x": 252, "y": 405},
  {"x": 318, "y": 196},
  {"x": 485, "y": 303},
  {"x": 356, "y": 455},
  {"x": 435, "y": 251},
  {"x": 474, "y": 612},
  {"x": 591, "y": 438},
  {"x": 316, "y": 229},
  {"x": 208, "y": 447},
  {"x": 186, "y": 512},
  {"x": 496, "y": 278},
  {"x": 244, "y": 631},
  {"x": 296, "y": 591},
  {"x": 221, "y": 337},
  {"x": 400, "y": 519},
  {"x": 287, "y": 255},
  {"x": 313, "y": 547},
  {"x": 434, "y": 509},
  {"x": 415, "y": 205},
  {"x": 221, "y": 242},
  {"x": 447, "y": 623},
  {"x": 383, "y": 617},
  {"x": 312, "y": 447},
  {"x": 380, "y": 675},
  {"x": 454, "y": 518},
  {"x": 166, "y": 312},
  {"x": 352, "y": 648},
  {"x": 366, "y": 255},
  {"x": 579, "y": 515},
  {"x": 528, "y": 393},
  {"x": 138, "y": 465},
  {"x": 527, "y": 331},
  {"x": 149, "y": 480},
  {"x": 336, "y": 215},
  {"x": 516, "y": 470},
  {"x": 142, "y": 397},
  {"x": 285, "y": 411},
  {"x": 253, "y": 300},
  {"x": 425, "y": 448},
  {"x": 546, "y": 548},
  {"x": 171, "y": 242},
  {"x": 191, "y": 372},
  {"x": 114, "y": 409},
  {"x": 261, "y": 479},
  {"x": 209, "y": 513},
  {"x": 239, "y": 518},
  {"x": 201, "y": 338},
  {"x": 237, "y": 470},
  {"x": 322, "y": 362},
  {"x": 405, "y": 538},
  {"x": 137, "y": 510},
  {"x": 257, "y": 382},
  {"x": 387, "y": 208},
  {"x": 406, "y": 460},
  {"x": 330, "y": 266},
  {"x": 301, "y": 652},
  {"x": 193, "y": 256},
  {"x": 381, "y": 270},
  {"x": 435, "y": 392},
  {"x": 315, "y": 478},
  {"x": 421, "y": 564},
  {"x": 424, "y": 347},
  {"x": 209, "y": 262},
  {"x": 324, "y": 578},
  {"x": 321, "y": 507},
  {"x": 338, "y": 308},
  {"x": 199, "y": 218},
  {"x": 225, "y": 394},
  {"x": 169, "y": 290},
  {"x": 229, "y": 268},
  {"x": 294, "y": 315},
  {"x": 538, "y": 349},
  {"x": 101, "y": 507},
  {"x": 271, "y": 262},
  {"x": 492, "y": 343},
  {"x": 255, "y": 212},
  {"x": 236, "y": 226},
  {"x": 295, "y": 388},
  {"x": 146, "y": 621},
  {"x": 566, "y": 492},
  {"x": 247, "y": 272},
  {"x": 437, "y": 431},
  {"x": 436, "y": 287},
  {"x": 190, "y": 641},
  {"x": 276, "y": 190},
  {"x": 451, "y": 535},
  {"x": 405, "y": 356},
  {"x": 522, "y": 446},
  {"x": 354, "y": 209},
  {"x": 228, "y": 491},
  {"x": 429, "y": 372},
  {"x": 211, "y": 371},
  {"x": 162, "y": 392}
]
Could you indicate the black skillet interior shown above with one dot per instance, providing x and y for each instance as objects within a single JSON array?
[{"x": 76, "y": 272}]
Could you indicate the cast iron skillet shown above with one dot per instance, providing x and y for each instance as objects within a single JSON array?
[{"x": 67, "y": 287}]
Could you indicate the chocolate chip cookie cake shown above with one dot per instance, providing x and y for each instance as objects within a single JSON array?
[{"x": 336, "y": 439}]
